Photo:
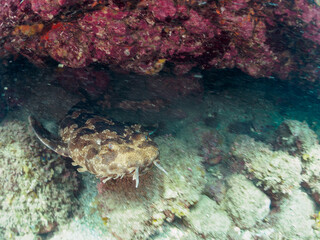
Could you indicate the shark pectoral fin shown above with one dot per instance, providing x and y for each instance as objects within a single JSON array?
[{"x": 47, "y": 139}]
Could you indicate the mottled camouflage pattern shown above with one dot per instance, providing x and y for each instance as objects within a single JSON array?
[{"x": 101, "y": 146}]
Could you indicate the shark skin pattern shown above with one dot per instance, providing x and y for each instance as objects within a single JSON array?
[{"x": 101, "y": 146}]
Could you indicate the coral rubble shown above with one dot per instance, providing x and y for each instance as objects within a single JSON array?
[
  {"x": 37, "y": 190},
  {"x": 260, "y": 38}
]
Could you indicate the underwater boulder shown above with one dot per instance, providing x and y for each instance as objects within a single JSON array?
[
  {"x": 276, "y": 172},
  {"x": 245, "y": 203}
]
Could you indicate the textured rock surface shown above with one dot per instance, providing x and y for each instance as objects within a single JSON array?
[
  {"x": 262, "y": 39},
  {"x": 295, "y": 137},
  {"x": 245, "y": 203},
  {"x": 37, "y": 188},
  {"x": 208, "y": 219},
  {"x": 293, "y": 220},
  {"x": 311, "y": 171},
  {"x": 276, "y": 171}
]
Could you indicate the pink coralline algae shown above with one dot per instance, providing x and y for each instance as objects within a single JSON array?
[
  {"x": 73, "y": 47},
  {"x": 162, "y": 9},
  {"x": 263, "y": 39}
]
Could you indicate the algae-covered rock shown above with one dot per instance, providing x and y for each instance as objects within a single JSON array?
[
  {"x": 245, "y": 203},
  {"x": 208, "y": 219},
  {"x": 295, "y": 137},
  {"x": 135, "y": 213},
  {"x": 311, "y": 171},
  {"x": 275, "y": 171},
  {"x": 302, "y": 141},
  {"x": 36, "y": 191},
  {"x": 293, "y": 219}
]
